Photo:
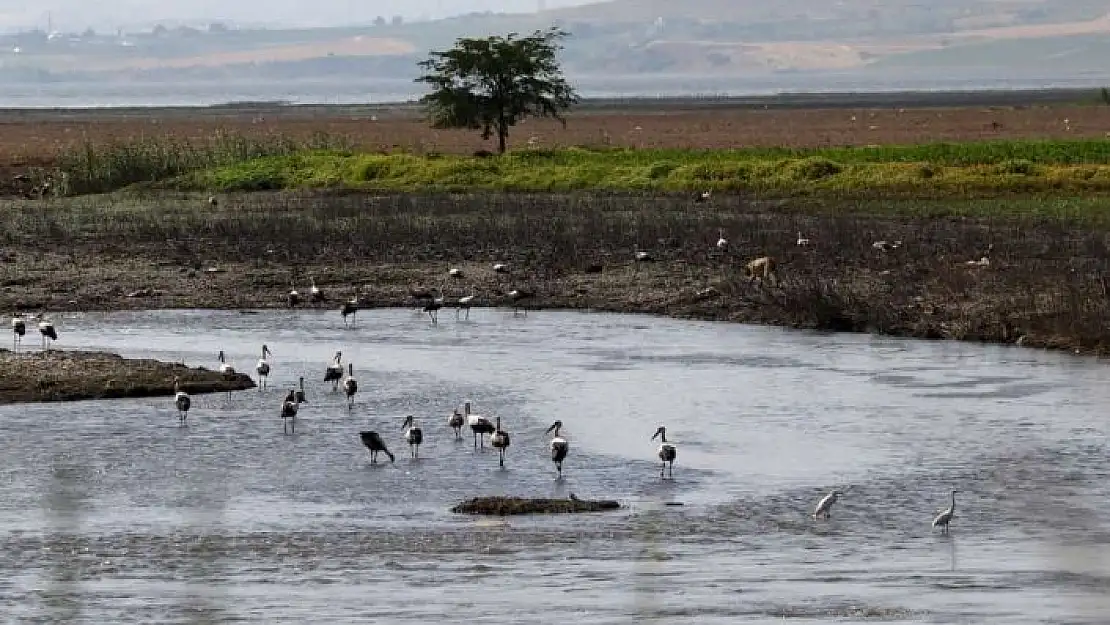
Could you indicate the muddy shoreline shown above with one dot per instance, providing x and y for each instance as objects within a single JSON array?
[{"x": 61, "y": 375}]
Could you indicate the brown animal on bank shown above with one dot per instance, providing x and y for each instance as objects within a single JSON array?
[{"x": 765, "y": 268}]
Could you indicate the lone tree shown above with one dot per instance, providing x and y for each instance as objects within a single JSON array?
[{"x": 491, "y": 84}]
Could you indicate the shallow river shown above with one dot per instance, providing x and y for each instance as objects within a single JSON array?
[{"x": 112, "y": 512}]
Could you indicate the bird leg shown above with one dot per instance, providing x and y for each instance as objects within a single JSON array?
[{"x": 501, "y": 458}]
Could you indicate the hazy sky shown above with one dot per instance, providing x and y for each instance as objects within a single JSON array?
[{"x": 74, "y": 15}]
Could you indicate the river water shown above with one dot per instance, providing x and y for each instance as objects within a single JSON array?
[{"x": 112, "y": 512}]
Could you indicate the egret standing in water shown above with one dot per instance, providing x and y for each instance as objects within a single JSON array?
[
  {"x": 413, "y": 436},
  {"x": 559, "y": 447},
  {"x": 667, "y": 451},
  {"x": 945, "y": 516},
  {"x": 499, "y": 440},
  {"x": 824, "y": 507}
]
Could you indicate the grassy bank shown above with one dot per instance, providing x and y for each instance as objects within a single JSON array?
[
  {"x": 939, "y": 169},
  {"x": 73, "y": 375},
  {"x": 1044, "y": 285},
  {"x": 231, "y": 163}
]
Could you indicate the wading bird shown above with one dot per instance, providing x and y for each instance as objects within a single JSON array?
[
  {"x": 413, "y": 436},
  {"x": 225, "y": 368},
  {"x": 455, "y": 272},
  {"x": 375, "y": 444},
  {"x": 667, "y": 451},
  {"x": 802, "y": 241},
  {"x": 263, "y": 368},
  {"x": 349, "y": 308},
  {"x": 722, "y": 242},
  {"x": 46, "y": 329},
  {"x": 432, "y": 308},
  {"x": 499, "y": 440},
  {"x": 945, "y": 516},
  {"x": 500, "y": 268},
  {"x": 456, "y": 422},
  {"x": 19, "y": 330},
  {"x": 559, "y": 447},
  {"x": 824, "y": 507},
  {"x": 293, "y": 297},
  {"x": 289, "y": 413},
  {"x": 516, "y": 296},
  {"x": 350, "y": 386},
  {"x": 334, "y": 371},
  {"x": 182, "y": 401},
  {"x": 464, "y": 304},
  {"x": 315, "y": 295},
  {"x": 301, "y": 397},
  {"x": 478, "y": 424}
]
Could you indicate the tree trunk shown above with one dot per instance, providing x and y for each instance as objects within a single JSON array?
[{"x": 502, "y": 136}]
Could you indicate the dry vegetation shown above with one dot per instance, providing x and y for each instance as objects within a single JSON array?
[{"x": 72, "y": 375}]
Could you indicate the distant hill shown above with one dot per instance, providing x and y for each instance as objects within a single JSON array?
[{"x": 703, "y": 38}]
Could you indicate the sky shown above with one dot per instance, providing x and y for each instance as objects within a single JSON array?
[{"x": 108, "y": 15}]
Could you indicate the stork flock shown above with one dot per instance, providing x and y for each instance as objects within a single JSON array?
[{"x": 19, "y": 330}]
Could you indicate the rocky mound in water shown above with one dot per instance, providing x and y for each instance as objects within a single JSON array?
[
  {"x": 73, "y": 375},
  {"x": 502, "y": 506}
]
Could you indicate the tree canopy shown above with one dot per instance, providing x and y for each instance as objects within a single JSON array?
[{"x": 491, "y": 83}]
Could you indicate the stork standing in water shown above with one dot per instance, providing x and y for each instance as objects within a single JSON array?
[
  {"x": 824, "y": 507},
  {"x": 293, "y": 297},
  {"x": 667, "y": 451},
  {"x": 46, "y": 329},
  {"x": 334, "y": 372},
  {"x": 456, "y": 422},
  {"x": 19, "y": 330},
  {"x": 375, "y": 444},
  {"x": 945, "y": 516},
  {"x": 499, "y": 440},
  {"x": 478, "y": 424},
  {"x": 289, "y": 413},
  {"x": 413, "y": 436},
  {"x": 349, "y": 308},
  {"x": 315, "y": 295},
  {"x": 432, "y": 308},
  {"x": 301, "y": 398},
  {"x": 263, "y": 368},
  {"x": 350, "y": 386},
  {"x": 181, "y": 400},
  {"x": 226, "y": 370},
  {"x": 559, "y": 447},
  {"x": 464, "y": 304},
  {"x": 517, "y": 296}
]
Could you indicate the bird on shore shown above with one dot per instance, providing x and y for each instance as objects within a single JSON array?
[
  {"x": 432, "y": 308},
  {"x": 456, "y": 421},
  {"x": 350, "y": 386},
  {"x": 802, "y": 241},
  {"x": 301, "y": 397},
  {"x": 559, "y": 447},
  {"x": 181, "y": 400},
  {"x": 289, "y": 413},
  {"x": 19, "y": 330},
  {"x": 293, "y": 297},
  {"x": 824, "y": 507},
  {"x": 945, "y": 517},
  {"x": 722, "y": 242},
  {"x": 667, "y": 451},
  {"x": 315, "y": 295},
  {"x": 263, "y": 368},
  {"x": 49, "y": 334},
  {"x": 334, "y": 371},
  {"x": 464, "y": 304},
  {"x": 225, "y": 368},
  {"x": 413, "y": 436},
  {"x": 641, "y": 256},
  {"x": 350, "y": 307},
  {"x": 373, "y": 441},
  {"x": 499, "y": 440},
  {"x": 702, "y": 197},
  {"x": 479, "y": 425},
  {"x": 455, "y": 272},
  {"x": 500, "y": 268}
]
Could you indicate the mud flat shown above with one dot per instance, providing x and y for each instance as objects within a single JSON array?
[
  {"x": 502, "y": 506},
  {"x": 74, "y": 375}
]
